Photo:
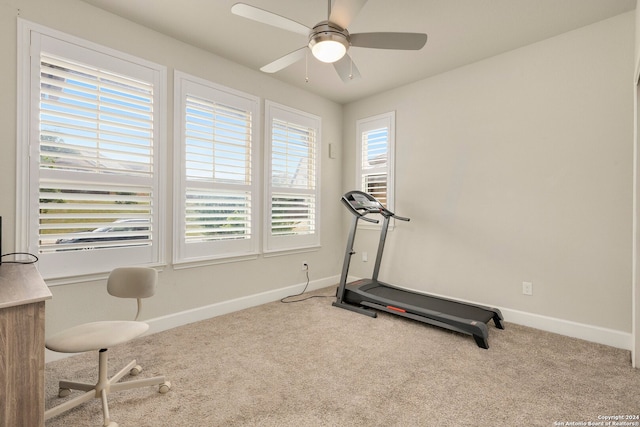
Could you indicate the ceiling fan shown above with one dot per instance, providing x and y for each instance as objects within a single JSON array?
[{"x": 329, "y": 40}]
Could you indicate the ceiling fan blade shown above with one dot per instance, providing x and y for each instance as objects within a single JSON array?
[
  {"x": 402, "y": 41},
  {"x": 343, "y": 11},
  {"x": 285, "y": 61},
  {"x": 269, "y": 18},
  {"x": 346, "y": 69}
]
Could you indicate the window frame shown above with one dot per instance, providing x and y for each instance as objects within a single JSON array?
[
  {"x": 385, "y": 120},
  {"x": 290, "y": 243},
  {"x": 202, "y": 253},
  {"x": 32, "y": 40}
]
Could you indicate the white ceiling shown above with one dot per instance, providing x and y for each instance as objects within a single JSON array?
[{"x": 460, "y": 32}]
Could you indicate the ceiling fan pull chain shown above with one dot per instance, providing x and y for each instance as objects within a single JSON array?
[{"x": 306, "y": 67}]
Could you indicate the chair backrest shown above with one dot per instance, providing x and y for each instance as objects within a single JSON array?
[{"x": 132, "y": 282}]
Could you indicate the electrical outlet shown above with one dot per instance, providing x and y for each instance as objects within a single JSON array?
[
  {"x": 305, "y": 266},
  {"x": 527, "y": 288}
]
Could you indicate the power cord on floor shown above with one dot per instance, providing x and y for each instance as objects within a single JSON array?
[{"x": 284, "y": 300}]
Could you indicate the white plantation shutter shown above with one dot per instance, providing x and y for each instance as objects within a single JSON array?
[
  {"x": 293, "y": 155},
  {"x": 217, "y": 167},
  {"x": 375, "y": 153},
  {"x": 91, "y": 216},
  {"x": 94, "y": 121},
  {"x": 95, "y": 127},
  {"x": 292, "y": 214},
  {"x": 212, "y": 215},
  {"x": 293, "y": 159},
  {"x": 218, "y": 142},
  {"x": 94, "y": 165},
  {"x": 293, "y": 144},
  {"x": 375, "y": 149}
]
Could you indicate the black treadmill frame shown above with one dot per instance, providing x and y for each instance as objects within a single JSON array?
[{"x": 357, "y": 296}]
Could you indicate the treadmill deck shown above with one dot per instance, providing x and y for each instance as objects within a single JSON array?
[{"x": 446, "y": 313}]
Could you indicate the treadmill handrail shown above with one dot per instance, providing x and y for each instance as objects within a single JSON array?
[{"x": 387, "y": 212}]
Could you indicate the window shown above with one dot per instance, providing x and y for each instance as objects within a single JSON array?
[
  {"x": 374, "y": 157},
  {"x": 216, "y": 197},
  {"x": 292, "y": 168},
  {"x": 91, "y": 127}
]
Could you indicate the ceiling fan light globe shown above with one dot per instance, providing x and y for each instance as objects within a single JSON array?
[{"x": 328, "y": 51}]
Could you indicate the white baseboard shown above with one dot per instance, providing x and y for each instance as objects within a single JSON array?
[
  {"x": 591, "y": 333},
  {"x": 597, "y": 334},
  {"x": 568, "y": 328},
  {"x": 174, "y": 320},
  {"x": 169, "y": 321}
]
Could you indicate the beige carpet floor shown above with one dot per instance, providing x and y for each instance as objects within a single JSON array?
[{"x": 311, "y": 364}]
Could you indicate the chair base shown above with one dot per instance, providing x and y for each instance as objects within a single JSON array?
[{"x": 104, "y": 387}]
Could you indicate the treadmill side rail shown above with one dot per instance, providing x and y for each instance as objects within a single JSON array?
[
  {"x": 355, "y": 308},
  {"x": 475, "y": 328}
]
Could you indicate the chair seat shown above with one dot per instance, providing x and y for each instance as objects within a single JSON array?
[{"x": 95, "y": 336}]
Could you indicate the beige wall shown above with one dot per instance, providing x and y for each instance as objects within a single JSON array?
[
  {"x": 179, "y": 290},
  {"x": 517, "y": 168}
]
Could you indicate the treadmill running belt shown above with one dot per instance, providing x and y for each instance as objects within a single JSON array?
[{"x": 431, "y": 303}]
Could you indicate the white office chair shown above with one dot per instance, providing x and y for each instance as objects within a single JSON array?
[{"x": 125, "y": 282}]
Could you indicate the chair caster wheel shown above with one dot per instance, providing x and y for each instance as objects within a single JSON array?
[
  {"x": 164, "y": 387},
  {"x": 64, "y": 392},
  {"x": 135, "y": 370}
]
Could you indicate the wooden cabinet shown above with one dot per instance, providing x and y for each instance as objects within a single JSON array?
[{"x": 22, "y": 299}]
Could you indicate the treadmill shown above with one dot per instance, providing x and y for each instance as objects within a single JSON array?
[{"x": 365, "y": 294}]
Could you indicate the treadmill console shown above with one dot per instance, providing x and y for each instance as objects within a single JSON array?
[
  {"x": 360, "y": 204},
  {"x": 363, "y": 201}
]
